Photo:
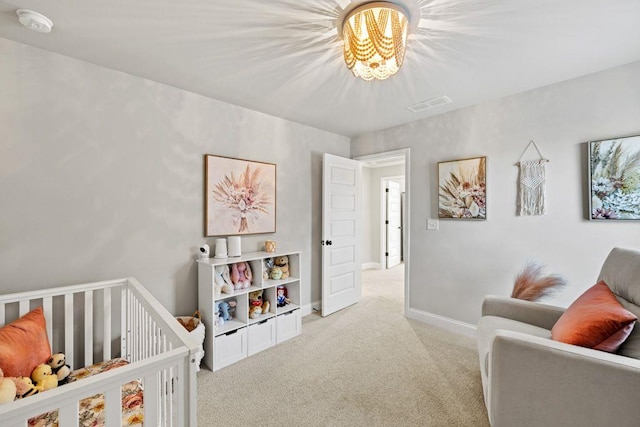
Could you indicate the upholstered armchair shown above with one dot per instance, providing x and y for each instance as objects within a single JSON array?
[{"x": 531, "y": 380}]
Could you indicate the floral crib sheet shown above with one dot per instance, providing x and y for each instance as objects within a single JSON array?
[{"x": 91, "y": 409}]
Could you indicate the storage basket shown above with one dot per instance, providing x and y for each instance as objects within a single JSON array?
[{"x": 194, "y": 325}]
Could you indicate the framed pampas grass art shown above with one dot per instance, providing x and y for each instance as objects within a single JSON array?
[
  {"x": 614, "y": 179},
  {"x": 240, "y": 196},
  {"x": 462, "y": 189}
]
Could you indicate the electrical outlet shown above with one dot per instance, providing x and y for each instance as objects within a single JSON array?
[{"x": 432, "y": 224}]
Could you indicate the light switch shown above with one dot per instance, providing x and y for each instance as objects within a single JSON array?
[{"x": 432, "y": 224}]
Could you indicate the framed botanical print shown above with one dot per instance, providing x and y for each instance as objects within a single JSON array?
[
  {"x": 462, "y": 191},
  {"x": 614, "y": 179},
  {"x": 240, "y": 196}
]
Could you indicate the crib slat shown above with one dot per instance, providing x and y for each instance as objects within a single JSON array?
[
  {"x": 68, "y": 330},
  {"x": 88, "y": 328},
  {"x": 151, "y": 394},
  {"x": 106, "y": 341},
  {"x": 47, "y": 306},
  {"x": 68, "y": 415},
  {"x": 124, "y": 339},
  {"x": 113, "y": 407},
  {"x": 24, "y": 307},
  {"x": 2, "y": 318}
]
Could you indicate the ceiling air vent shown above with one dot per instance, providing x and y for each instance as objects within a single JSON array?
[{"x": 430, "y": 103}]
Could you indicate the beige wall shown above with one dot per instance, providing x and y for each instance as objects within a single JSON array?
[
  {"x": 453, "y": 268},
  {"x": 101, "y": 176}
]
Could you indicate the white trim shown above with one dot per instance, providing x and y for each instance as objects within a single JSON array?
[
  {"x": 308, "y": 309},
  {"x": 371, "y": 266},
  {"x": 452, "y": 325}
]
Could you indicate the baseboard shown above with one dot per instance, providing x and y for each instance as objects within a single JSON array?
[
  {"x": 371, "y": 265},
  {"x": 308, "y": 309},
  {"x": 452, "y": 325}
]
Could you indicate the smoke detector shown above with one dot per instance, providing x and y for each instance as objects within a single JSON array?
[{"x": 34, "y": 21}]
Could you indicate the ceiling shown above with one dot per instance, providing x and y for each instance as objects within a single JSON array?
[{"x": 284, "y": 57}]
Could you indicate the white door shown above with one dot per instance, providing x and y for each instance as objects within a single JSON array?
[
  {"x": 394, "y": 224},
  {"x": 341, "y": 230}
]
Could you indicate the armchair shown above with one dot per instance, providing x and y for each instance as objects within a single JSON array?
[{"x": 531, "y": 380}]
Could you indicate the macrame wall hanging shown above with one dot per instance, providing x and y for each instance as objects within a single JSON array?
[{"x": 531, "y": 188}]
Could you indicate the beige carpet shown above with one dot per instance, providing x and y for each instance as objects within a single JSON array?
[{"x": 366, "y": 365}]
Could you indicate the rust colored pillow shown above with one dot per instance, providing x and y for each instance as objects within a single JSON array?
[
  {"x": 595, "y": 320},
  {"x": 24, "y": 344}
]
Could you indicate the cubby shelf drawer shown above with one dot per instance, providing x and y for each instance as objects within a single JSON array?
[
  {"x": 289, "y": 325},
  {"x": 229, "y": 348},
  {"x": 262, "y": 335}
]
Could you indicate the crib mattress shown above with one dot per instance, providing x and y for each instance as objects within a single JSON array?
[{"x": 91, "y": 409}]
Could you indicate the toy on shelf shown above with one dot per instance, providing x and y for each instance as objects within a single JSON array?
[
  {"x": 276, "y": 273},
  {"x": 268, "y": 265},
  {"x": 282, "y": 296},
  {"x": 227, "y": 309},
  {"x": 282, "y": 262},
  {"x": 222, "y": 280},
  {"x": 256, "y": 304},
  {"x": 241, "y": 275}
]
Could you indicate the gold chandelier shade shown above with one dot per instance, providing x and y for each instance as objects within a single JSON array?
[{"x": 374, "y": 36}]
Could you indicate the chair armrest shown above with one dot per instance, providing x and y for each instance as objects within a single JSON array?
[
  {"x": 533, "y": 313},
  {"x": 535, "y": 381}
]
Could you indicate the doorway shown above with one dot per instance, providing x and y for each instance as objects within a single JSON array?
[{"x": 385, "y": 237}]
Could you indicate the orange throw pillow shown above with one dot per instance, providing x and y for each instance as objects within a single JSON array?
[
  {"x": 595, "y": 320},
  {"x": 24, "y": 344}
]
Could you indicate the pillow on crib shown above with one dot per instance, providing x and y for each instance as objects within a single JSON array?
[{"x": 24, "y": 344}]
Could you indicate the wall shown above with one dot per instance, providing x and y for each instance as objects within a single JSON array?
[
  {"x": 101, "y": 176},
  {"x": 371, "y": 238},
  {"x": 453, "y": 268}
]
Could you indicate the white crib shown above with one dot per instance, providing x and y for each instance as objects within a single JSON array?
[{"x": 96, "y": 322}]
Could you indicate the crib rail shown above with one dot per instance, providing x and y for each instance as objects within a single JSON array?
[{"x": 84, "y": 321}]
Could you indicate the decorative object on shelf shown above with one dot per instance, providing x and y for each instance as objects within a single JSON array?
[
  {"x": 221, "y": 248},
  {"x": 374, "y": 37},
  {"x": 614, "y": 179},
  {"x": 257, "y": 305},
  {"x": 234, "y": 246},
  {"x": 222, "y": 280},
  {"x": 276, "y": 273},
  {"x": 227, "y": 309},
  {"x": 282, "y": 297},
  {"x": 266, "y": 268},
  {"x": 270, "y": 246},
  {"x": 240, "y": 196},
  {"x": 241, "y": 275},
  {"x": 282, "y": 262},
  {"x": 532, "y": 180},
  {"x": 531, "y": 285},
  {"x": 462, "y": 188},
  {"x": 203, "y": 252}
]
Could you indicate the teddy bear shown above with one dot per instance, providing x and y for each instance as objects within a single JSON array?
[
  {"x": 7, "y": 389},
  {"x": 282, "y": 262},
  {"x": 59, "y": 368},
  {"x": 227, "y": 308},
  {"x": 222, "y": 280},
  {"x": 256, "y": 304},
  {"x": 44, "y": 378},
  {"x": 241, "y": 275}
]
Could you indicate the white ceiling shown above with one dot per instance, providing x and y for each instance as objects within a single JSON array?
[{"x": 284, "y": 57}]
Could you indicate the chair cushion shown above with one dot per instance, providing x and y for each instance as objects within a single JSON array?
[
  {"x": 595, "y": 320},
  {"x": 24, "y": 344}
]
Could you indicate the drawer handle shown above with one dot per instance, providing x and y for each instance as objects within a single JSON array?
[
  {"x": 263, "y": 322},
  {"x": 232, "y": 332}
]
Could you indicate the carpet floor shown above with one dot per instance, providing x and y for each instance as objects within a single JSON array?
[{"x": 366, "y": 365}]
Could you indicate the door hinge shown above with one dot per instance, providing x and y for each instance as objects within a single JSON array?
[
  {"x": 386, "y": 222},
  {"x": 386, "y": 190},
  {"x": 386, "y": 254}
]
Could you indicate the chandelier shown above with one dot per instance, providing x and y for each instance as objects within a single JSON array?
[{"x": 374, "y": 37}]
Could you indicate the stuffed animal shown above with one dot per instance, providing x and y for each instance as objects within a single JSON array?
[
  {"x": 276, "y": 273},
  {"x": 282, "y": 296},
  {"x": 24, "y": 387},
  {"x": 256, "y": 304},
  {"x": 59, "y": 368},
  {"x": 7, "y": 389},
  {"x": 44, "y": 377},
  {"x": 282, "y": 262},
  {"x": 241, "y": 275},
  {"x": 268, "y": 265},
  {"x": 222, "y": 280},
  {"x": 227, "y": 308}
]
